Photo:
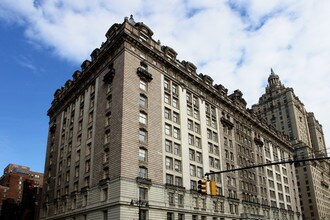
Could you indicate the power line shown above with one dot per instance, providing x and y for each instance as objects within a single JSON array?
[{"x": 267, "y": 164}]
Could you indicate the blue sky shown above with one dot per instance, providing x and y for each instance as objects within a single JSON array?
[
  {"x": 235, "y": 42},
  {"x": 29, "y": 76}
]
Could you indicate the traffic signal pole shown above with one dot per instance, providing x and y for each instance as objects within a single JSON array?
[{"x": 267, "y": 164}]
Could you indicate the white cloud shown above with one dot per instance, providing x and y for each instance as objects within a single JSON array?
[{"x": 236, "y": 42}]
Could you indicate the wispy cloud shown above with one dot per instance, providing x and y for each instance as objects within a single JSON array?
[
  {"x": 233, "y": 41},
  {"x": 27, "y": 63}
]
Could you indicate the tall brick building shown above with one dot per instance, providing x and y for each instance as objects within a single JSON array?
[
  {"x": 135, "y": 129},
  {"x": 12, "y": 184},
  {"x": 283, "y": 110}
]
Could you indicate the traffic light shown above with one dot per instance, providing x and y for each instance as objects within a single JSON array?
[
  {"x": 202, "y": 186},
  {"x": 213, "y": 188}
]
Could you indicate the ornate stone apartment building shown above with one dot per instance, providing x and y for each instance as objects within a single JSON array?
[
  {"x": 283, "y": 110},
  {"x": 135, "y": 129}
]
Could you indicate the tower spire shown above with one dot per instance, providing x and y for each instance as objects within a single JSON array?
[{"x": 271, "y": 71}]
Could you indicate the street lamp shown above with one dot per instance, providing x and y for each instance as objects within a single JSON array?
[{"x": 140, "y": 203}]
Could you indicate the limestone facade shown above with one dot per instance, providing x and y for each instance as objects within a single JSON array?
[{"x": 135, "y": 129}]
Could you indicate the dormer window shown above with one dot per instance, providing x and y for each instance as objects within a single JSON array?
[{"x": 144, "y": 36}]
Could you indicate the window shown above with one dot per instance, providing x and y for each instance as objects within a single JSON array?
[
  {"x": 180, "y": 216},
  {"x": 196, "y": 114},
  {"x": 168, "y": 146},
  {"x": 199, "y": 172},
  {"x": 169, "y": 179},
  {"x": 87, "y": 166},
  {"x": 180, "y": 202},
  {"x": 178, "y": 181},
  {"x": 195, "y": 102},
  {"x": 143, "y": 214},
  {"x": 142, "y": 154},
  {"x": 168, "y": 129},
  {"x": 210, "y": 146},
  {"x": 109, "y": 102},
  {"x": 211, "y": 162},
  {"x": 176, "y": 117},
  {"x": 166, "y": 85},
  {"x": 190, "y": 124},
  {"x": 143, "y": 101},
  {"x": 189, "y": 110},
  {"x": 192, "y": 170},
  {"x": 143, "y": 172},
  {"x": 171, "y": 198},
  {"x": 177, "y": 165},
  {"x": 84, "y": 202},
  {"x": 197, "y": 128},
  {"x": 86, "y": 180},
  {"x": 105, "y": 173},
  {"x": 167, "y": 113},
  {"x": 190, "y": 139},
  {"x": 79, "y": 139},
  {"x": 80, "y": 125},
  {"x": 177, "y": 149},
  {"x": 143, "y": 85},
  {"x": 188, "y": 98},
  {"x": 78, "y": 155},
  {"x": 168, "y": 163},
  {"x": 105, "y": 215},
  {"x": 215, "y": 137},
  {"x": 88, "y": 149},
  {"x": 193, "y": 185},
  {"x": 90, "y": 132},
  {"x": 107, "y": 119},
  {"x": 214, "y": 124},
  {"x": 67, "y": 176},
  {"x": 209, "y": 134},
  {"x": 105, "y": 155},
  {"x": 143, "y": 193},
  {"x": 68, "y": 161},
  {"x": 191, "y": 154},
  {"x": 175, "y": 89},
  {"x": 198, "y": 157},
  {"x": 142, "y": 136},
  {"x": 107, "y": 136},
  {"x": 167, "y": 99},
  {"x": 198, "y": 142},
  {"x": 143, "y": 118},
  {"x": 176, "y": 133},
  {"x": 175, "y": 103},
  {"x": 104, "y": 194},
  {"x": 170, "y": 216}
]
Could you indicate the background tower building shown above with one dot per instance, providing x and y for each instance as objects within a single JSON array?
[
  {"x": 282, "y": 109},
  {"x": 135, "y": 130}
]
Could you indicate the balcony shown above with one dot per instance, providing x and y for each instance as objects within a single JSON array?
[
  {"x": 227, "y": 122},
  {"x": 104, "y": 181},
  {"x": 142, "y": 180},
  {"x": 84, "y": 189},
  {"x": 109, "y": 75},
  {"x": 144, "y": 74},
  {"x": 258, "y": 142},
  {"x": 175, "y": 187},
  {"x": 324, "y": 184}
]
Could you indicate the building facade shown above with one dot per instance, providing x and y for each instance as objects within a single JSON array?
[
  {"x": 12, "y": 186},
  {"x": 283, "y": 110},
  {"x": 135, "y": 130}
]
